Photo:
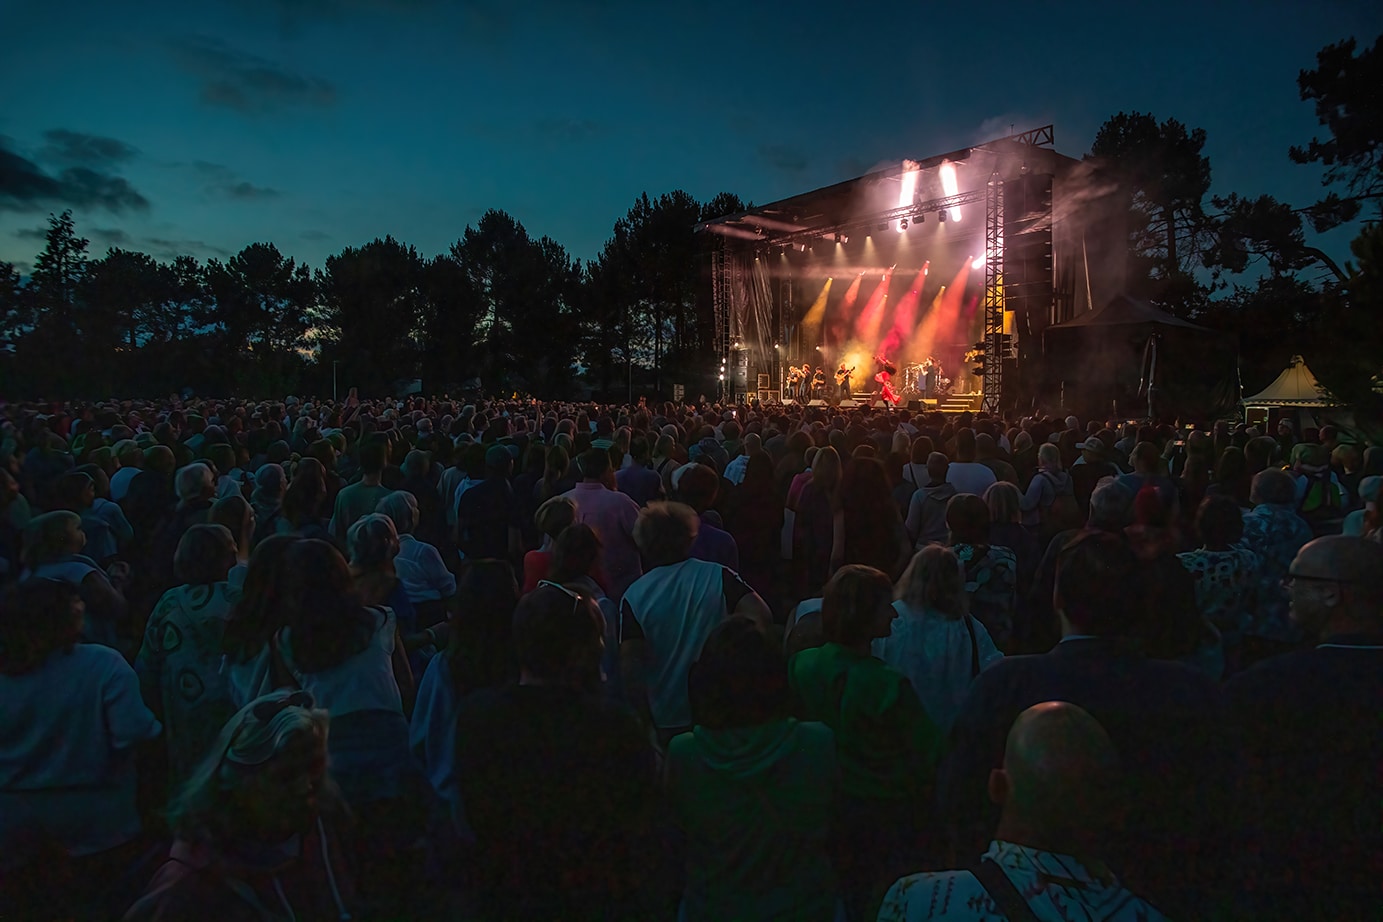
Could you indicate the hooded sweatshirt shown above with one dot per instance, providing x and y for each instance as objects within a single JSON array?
[
  {"x": 927, "y": 513},
  {"x": 756, "y": 805}
]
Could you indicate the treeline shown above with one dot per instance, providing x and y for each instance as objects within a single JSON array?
[{"x": 499, "y": 311}]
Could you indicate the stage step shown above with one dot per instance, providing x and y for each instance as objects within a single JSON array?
[{"x": 959, "y": 403}]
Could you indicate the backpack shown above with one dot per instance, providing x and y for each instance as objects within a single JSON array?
[
  {"x": 1063, "y": 513},
  {"x": 1322, "y": 495}
]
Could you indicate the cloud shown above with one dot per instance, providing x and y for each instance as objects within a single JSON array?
[
  {"x": 782, "y": 157},
  {"x": 315, "y": 235},
  {"x": 166, "y": 248},
  {"x": 32, "y": 233},
  {"x": 109, "y": 236},
  {"x": 73, "y": 147},
  {"x": 26, "y": 187},
  {"x": 220, "y": 180},
  {"x": 246, "y": 83}
]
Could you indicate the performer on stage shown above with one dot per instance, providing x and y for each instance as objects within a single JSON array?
[
  {"x": 886, "y": 372},
  {"x": 819, "y": 383},
  {"x": 843, "y": 380},
  {"x": 792, "y": 386},
  {"x": 804, "y": 391}
]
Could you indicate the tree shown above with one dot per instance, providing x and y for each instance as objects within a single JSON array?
[
  {"x": 15, "y": 316},
  {"x": 1262, "y": 231},
  {"x": 370, "y": 310},
  {"x": 262, "y": 302},
  {"x": 451, "y": 312},
  {"x": 1164, "y": 177},
  {"x": 1345, "y": 89},
  {"x": 52, "y": 294}
]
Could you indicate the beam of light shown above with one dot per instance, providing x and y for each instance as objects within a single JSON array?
[
  {"x": 945, "y": 325},
  {"x": 950, "y": 185},
  {"x": 977, "y": 262},
  {"x": 872, "y": 317},
  {"x": 835, "y": 332},
  {"x": 908, "y": 193},
  {"x": 905, "y": 315},
  {"x": 811, "y": 320}
]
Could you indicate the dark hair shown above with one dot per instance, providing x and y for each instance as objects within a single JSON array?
[
  {"x": 302, "y": 502},
  {"x": 554, "y": 470},
  {"x": 850, "y": 600},
  {"x": 871, "y": 515},
  {"x": 480, "y": 653},
  {"x": 1099, "y": 584},
  {"x": 967, "y": 517},
  {"x": 594, "y": 463},
  {"x": 326, "y": 622},
  {"x": 740, "y": 678},
  {"x": 1219, "y": 522},
  {"x": 204, "y": 554},
  {"x": 256, "y": 615},
  {"x": 574, "y": 553},
  {"x": 550, "y": 627},
  {"x": 36, "y": 620},
  {"x": 374, "y": 455},
  {"x": 697, "y": 486},
  {"x": 965, "y": 445}
]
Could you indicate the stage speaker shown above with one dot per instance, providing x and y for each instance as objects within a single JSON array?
[
  {"x": 764, "y": 393},
  {"x": 914, "y": 404},
  {"x": 763, "y": 382},
  {"x": 817, "y": 402},
  {"x": 847, "y": 404}
]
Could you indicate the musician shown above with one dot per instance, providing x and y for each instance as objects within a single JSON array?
[
  {"x": 804, "y": 394},
  {"x": 886, "y": 372},
  {"x": 843, "y": 380},
  {"x": 819, "y": 383},
  {"x": 792, "y": 386}
]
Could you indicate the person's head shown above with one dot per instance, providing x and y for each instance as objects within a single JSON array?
[
  {"x": 238, "y": 516},
  {"x": 965, "y": 445},
  {"x": 857, "y": 606},
  {"x": 1150, "y": 508},
  {"x": 967, "y": 519},
  {"x": 205, "y": 555},
  {"x": 574, "y": 554},
  {"x": 938, "y": 465},
  {"x": 222, "y": 457},
  {"x": 555, "y": 516},
  {"x": 374, "y": 455},
  {"x": 256, "y": 615},
  {"x": 555, "y": 464},
  {"x": 1098, "y": 584},
  {"x": 498, "y": 462},
  {"x": 320, "y": 608},
  {"x": 664, "y": 533},
  {"x": 697, "y": 486},
  {"x": 265, "y": 778},
  {"x": 1049, "y": 457},
  {"x": 1219, "y": 522},
  {"x": 1004, "y": 502},
  {"x": 1146, "y": 459},
  {"x": 74, "y": 491},
  {"x": 373, "y": 542},
  {"x": 935, "y": 583},
  {"x": 739, "y": 680},
  {"x": 1109, "y": 507},
  {"x": 402, "y": 509},
  {"x": 481, "y": 649},
  {"x": 38, "y": 617},
  {"x": 270, "y": 484},
  {"x": 129, "y": 454},
  {"x": 1058, "y": 787},
  {"x": 416, "y": 463},
  {"x": 1335, "y": 585},
  {"x": 52, "y": 535},
  {"x": 594, "y": 465},
  {"x": 559, "y": 637},
  {"x": 194, "y": 483},
  {"x": 1272, "y": 487}
]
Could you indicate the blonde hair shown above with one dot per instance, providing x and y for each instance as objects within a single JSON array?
[
  {"x": 935, "y": 583},
  {"x": 1005, "y": 504},
  {"x": 664, "y": 532}
]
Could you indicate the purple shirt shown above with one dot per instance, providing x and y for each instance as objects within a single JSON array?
[
  {"x": 611, "y": 516},
  {"x": 716, "y": 545}
]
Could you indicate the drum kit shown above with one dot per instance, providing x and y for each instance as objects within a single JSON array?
[{"x": 916, "y": 377}]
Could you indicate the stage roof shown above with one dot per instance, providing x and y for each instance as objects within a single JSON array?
[
  {"x": 1124, "y": 311},
  {"x": 1295, "y": 387},
  {"x": 867, "y": 197}
]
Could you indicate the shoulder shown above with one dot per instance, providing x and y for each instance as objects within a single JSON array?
[{"x": 938, "y": 895}]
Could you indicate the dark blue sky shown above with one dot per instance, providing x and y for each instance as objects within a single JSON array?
[{"x": 203, "y": 126}]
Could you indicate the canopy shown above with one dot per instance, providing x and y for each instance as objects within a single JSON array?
[
  {"x": 1295, "y": 387},
  {"x": 1099, "y": 363}
]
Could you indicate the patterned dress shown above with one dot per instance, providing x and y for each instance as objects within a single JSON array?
[
  {"x": 179, "y": 671},
  {"x": 1225, "y": 583},
  {"x": 1274, "y": 533},
  {"x": 991, "y": 581}
]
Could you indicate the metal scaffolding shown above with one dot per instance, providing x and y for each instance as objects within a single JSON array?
[
  {"x": 720, "y": 307},
  {"x": 995, "y": 345}
]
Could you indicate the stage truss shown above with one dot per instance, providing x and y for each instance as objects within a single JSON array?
[{"x": 994, "y": 345}]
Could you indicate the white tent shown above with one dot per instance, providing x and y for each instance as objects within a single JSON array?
[{"x": 1295, "y": 387}]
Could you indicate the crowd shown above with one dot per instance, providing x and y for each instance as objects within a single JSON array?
[{"x": 303, "y": 659}]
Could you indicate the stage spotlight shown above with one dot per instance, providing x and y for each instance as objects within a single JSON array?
[
  {"x": 801, "y": 247},
  {"x": 903, "y": 224},
  {"x": 844, "y": 238},
  {"x": 838, "y": 240},
  {"x": 951, "y": 186},
  {"x": 941, "y": 216},
  {"x": 977, "y": 262}
]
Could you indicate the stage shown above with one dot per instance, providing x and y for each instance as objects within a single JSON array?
[{"x": 946, "y": 268}]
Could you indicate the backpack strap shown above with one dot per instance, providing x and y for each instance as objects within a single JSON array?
[
  {"x": 974, "y": 647},
  {"x": 1005, "y": 895}
]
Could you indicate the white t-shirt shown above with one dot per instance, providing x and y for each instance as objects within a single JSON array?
[
  {"x": 364, "y": 682},
  {"x": 66, "y": 769},
  {"x": 935, "y": 654},
  {"x": 120, "y": 482},
  {"x": 969, "y": 477}
]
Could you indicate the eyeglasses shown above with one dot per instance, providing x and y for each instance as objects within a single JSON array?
[
  {"x": 575, "y": 596},
  {"x": 1308, "y": 578}
]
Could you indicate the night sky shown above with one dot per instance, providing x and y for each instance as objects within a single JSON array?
[{"x": 200, "y": 127}]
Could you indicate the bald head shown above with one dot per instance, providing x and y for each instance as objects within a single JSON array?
[
  {"x": 1337, "y": 585},
  {"x": 1060, "y": 770}
]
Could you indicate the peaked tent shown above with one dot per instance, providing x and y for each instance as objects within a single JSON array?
[
  {"x": 1094, "y": 363},
  {"x": 1295, "y": 387}
]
